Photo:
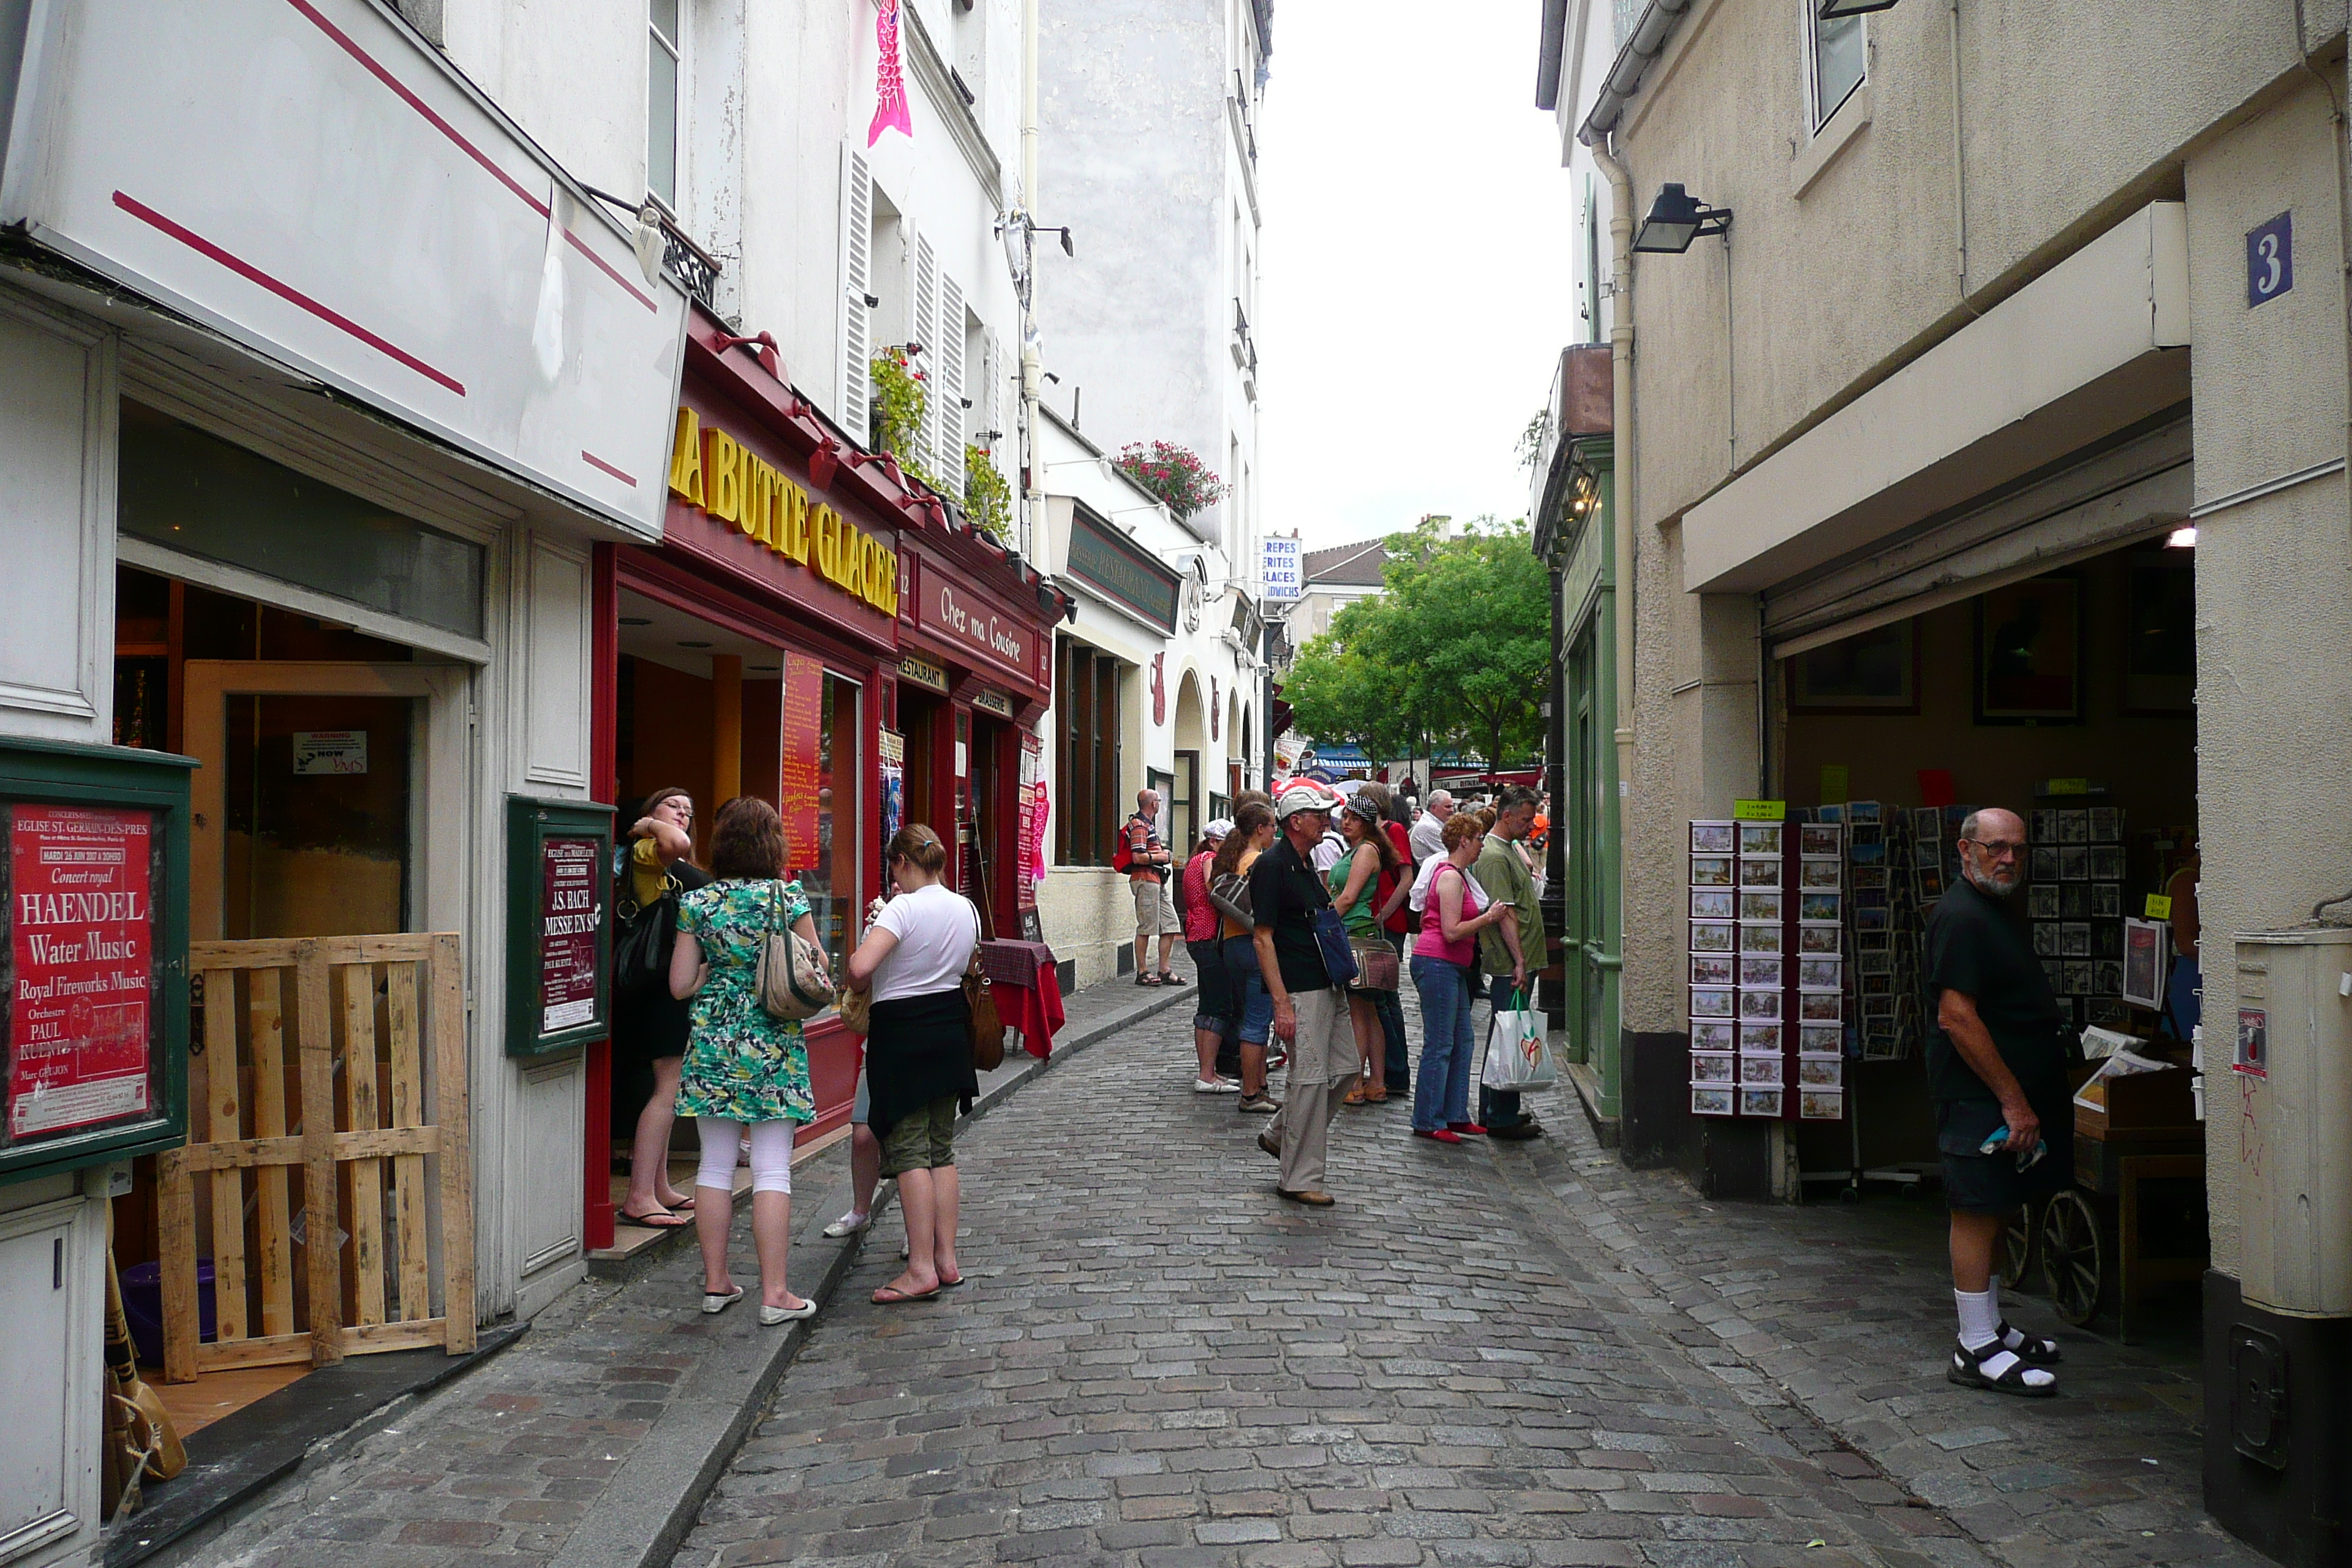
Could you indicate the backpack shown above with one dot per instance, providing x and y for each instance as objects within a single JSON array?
[{"x": 1123, "y": 857}]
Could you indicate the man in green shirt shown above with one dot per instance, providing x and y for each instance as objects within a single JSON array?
[{"x": 1513, "y": 949}]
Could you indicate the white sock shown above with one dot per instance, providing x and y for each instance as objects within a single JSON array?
[{"x": 1979, "y": 1317}]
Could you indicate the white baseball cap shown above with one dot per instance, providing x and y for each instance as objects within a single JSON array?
[{"x": 1301, "y": 794}]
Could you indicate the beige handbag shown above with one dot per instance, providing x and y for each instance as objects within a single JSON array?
[{"x": 794, "y": 981}]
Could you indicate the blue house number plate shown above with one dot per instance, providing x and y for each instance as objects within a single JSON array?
[{"x": 2270, "y": 260}]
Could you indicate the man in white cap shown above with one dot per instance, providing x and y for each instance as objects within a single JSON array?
[{"x": 1310, "y": 1014}]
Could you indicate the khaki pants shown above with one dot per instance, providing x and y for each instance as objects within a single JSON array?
[{"x": 1322, "y": 1067}]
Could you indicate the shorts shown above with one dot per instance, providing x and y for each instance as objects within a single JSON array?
[
  {"x": 922, "y": 1139},
  {"x": 1155, "y": 908},
  {"x": 1254, "y": 1003},
  {"x": 1992, "y": 1184}
]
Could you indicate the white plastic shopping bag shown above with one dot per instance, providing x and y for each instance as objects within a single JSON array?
[{"x": 1515, "y": 1056}]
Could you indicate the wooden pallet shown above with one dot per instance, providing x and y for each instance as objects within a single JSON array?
[{"x": 347, "y": 1062}]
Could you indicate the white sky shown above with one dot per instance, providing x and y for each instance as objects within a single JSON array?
[{"x": 1414, "y": 289}]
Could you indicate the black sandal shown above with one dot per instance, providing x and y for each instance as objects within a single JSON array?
[
  {"x": 1966, "y": 1368},
  {"x": 2025, "y": 1347}
]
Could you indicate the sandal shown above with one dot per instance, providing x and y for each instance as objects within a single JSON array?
[
  {"x": 1999, "y": 1371},
  {"x": 661, "y": 1219},
  {"x": 1145, "y": 977},
  {"x": 891, "y": 1296},
  {"x": 2025, "y": 1347},
  {"x": 1354, "y": 1097},
  {"x": 1167, "y": 977}
]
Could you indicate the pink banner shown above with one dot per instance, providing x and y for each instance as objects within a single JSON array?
[{"x": 889, "y": 81}]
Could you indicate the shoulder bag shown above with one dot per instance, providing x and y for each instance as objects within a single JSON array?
[
  {"x": 987, "y": 1028},
  {"x": 1231, "y": 895},
  {"x": 1331, "y": 939},
  {"x": 641, "y": 950},
  {"x": 793, "y": 982}
]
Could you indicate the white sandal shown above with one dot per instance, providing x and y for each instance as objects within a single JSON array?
[{"x": 717, "y": 1304}]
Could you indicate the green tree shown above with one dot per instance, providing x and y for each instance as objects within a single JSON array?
[{"x": 1455, "y": 650}]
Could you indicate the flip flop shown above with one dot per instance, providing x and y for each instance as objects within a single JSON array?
[
  {"x": 890, "y": 1296},
  {"x": 662, "y": 1221},
  {"x": 683, "y": 1205},
  {"x": 951, "y": 1284}
]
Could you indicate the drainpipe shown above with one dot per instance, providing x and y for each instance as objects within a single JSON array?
[
  {"x": 1031, "y": 368},
  {"x": 1620, "y": 366}
]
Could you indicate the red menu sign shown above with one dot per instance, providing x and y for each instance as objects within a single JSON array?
[
  {"x": 975, "y": 626},
  {"x": 82, "y": 940},
  {"x": 804, "y": 738},
  {"x": 570, "y": 914}
]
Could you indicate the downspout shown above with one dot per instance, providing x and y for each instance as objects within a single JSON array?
[
  {"x": 1961, "y": 169},
  {"x": 1620, "y": 389},
  {"x": 1031, "y": 368}
]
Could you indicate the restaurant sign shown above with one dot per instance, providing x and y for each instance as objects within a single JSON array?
[
  {"x": 974, "y": 627},
  {"x": 724, "y": 479},
  {"x": 1122, "y": 570}
]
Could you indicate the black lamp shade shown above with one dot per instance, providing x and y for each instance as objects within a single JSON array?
[
  {"x": 1832, "y": 10},
  {"x": 1673, "y": 223}
]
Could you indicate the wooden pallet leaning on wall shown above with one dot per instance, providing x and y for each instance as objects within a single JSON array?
[{"x": 314, "y": 1055}]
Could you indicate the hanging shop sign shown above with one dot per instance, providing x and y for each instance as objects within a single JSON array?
[
  {"x": 1122, "y": 570},
  {"x": 559, "y": 943},
  {"x": 93, "y": 921},
  {"x": 315, "y": 182},
  {"x": 713, "y": 471},
  {"x": 995, "y": 702}
]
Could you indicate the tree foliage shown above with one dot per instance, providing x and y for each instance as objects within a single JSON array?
[{"x": 1455, "y": 652}]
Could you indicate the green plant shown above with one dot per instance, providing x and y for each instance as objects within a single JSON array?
[
  {"x": 987, "y": 499},
  {"x": 1173, "y": 474},
  {"x": 900, "y": 400},
  {"x": 1530, "y": 443}
]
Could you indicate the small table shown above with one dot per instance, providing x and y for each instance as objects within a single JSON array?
[{"x": 1025, "y": 983}]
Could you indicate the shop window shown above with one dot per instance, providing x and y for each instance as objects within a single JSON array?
[
  {"x": 661, "y": 100},
  {"x": 1087, "y": 758},
  {"x": 831, "y": 881},
  {"x": 1837, "y": 61}
]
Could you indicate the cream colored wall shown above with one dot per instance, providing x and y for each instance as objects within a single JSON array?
[
  {"x": 2076, "y": 114},
  {"x": 2274, "y": 576}
]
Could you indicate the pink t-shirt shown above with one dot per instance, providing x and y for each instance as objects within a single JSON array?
[
  {"x": 1432, "y": 941},
  {"x": 1199, "y": 915}
]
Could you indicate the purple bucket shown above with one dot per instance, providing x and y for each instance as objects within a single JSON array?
[{"x": 142, "y": 1303}]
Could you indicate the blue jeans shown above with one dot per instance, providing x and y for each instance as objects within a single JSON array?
[
  {"x": 1499, "y": 1108},
  {"x": 1257, "y": 1005},
  {"x": 1442, "y": 1095}
]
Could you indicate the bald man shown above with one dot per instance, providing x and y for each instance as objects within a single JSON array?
[{"x": 1997, "y": 1071}]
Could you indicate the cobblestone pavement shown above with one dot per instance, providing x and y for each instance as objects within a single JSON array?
[{"x": 1158, "y": 1362}]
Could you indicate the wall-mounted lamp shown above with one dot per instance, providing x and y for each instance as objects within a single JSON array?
[
  {"x": 2182, "y": 538},
  {"x": 1676, "y": 219},
  {"x": 1836, "y": 10}
]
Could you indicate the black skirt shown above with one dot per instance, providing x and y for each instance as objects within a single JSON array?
[
  {"x": 919, "y": 1051},
  {"x": 655, "y": 1023}
]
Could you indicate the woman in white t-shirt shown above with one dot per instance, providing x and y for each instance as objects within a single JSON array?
[{"x": 919, "y": 1074}]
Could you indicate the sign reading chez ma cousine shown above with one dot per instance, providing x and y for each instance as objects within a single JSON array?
[{"x": 716, "y": 474}]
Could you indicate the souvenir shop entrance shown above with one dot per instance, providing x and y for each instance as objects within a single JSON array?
[{"x": 2068, "y": 697}]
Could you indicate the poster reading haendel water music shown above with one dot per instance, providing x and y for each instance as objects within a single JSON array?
[{"x": 81, "y": 990}]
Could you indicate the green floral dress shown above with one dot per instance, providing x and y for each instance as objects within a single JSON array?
[{"x": 742, "y": 1064}]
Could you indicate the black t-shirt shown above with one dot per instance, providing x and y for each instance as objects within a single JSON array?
[
  {"x": 1977, "y": 946},
  {"x": 1284, "y": 893}
]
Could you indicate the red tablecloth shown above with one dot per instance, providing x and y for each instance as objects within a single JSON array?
[{"x": 1035, "y": 1010}]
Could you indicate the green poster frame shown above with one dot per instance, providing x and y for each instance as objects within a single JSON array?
[
  {"x": 531, "y": 823},
  {"x": 61, "y": 772}
]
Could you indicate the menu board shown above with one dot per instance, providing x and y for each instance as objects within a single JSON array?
[
  {"x": 81, "y": 995},
  {"x": 1030, "y": 869},
  {"x": 803, "y": 739},
  {"x": 570, "y": 912}
]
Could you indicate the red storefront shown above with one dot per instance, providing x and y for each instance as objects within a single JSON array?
[{"x": 762, "y": 650}]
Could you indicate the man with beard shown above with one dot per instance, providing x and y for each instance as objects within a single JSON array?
[{"x": 1997, "y": 1072}]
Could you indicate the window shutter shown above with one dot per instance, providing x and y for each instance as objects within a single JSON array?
[
  {"x": 926, "y": 330},
  {"x": 947, "y": 387},
  {"x": 856, "y": 282}
]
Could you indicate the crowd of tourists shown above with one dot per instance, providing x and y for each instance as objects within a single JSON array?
[{"x": 1304, "y": 911}]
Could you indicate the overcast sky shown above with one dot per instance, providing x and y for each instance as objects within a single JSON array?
[{"x": 1415, "y": 291}]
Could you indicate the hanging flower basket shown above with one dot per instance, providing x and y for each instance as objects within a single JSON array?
[{"x": 1173, "y": 474}]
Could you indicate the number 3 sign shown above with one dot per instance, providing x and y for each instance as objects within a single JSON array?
[{"x": 2270, "y": 260}]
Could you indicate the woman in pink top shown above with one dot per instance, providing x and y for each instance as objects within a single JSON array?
[
  {"x": 1216, "y": 1022},
  {"x": 1443, "y": 957}
]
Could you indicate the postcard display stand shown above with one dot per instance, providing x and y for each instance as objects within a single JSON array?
[
  {"x": 1767, "y": 969},
  {"x": 2075, "y": 896}
]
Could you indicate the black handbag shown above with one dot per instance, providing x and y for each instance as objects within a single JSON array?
[{"x": 641, "y": 952}]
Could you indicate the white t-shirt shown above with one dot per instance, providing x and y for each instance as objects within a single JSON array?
[
  {"x": 1427, "y": 837},
  {"x": 1418, "y": 899},
  {"x": 1329, "y": 850},
  {"x": 937, "y": 929}
]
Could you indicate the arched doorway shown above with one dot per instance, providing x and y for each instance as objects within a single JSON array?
[{"x": 1184, "y": 813}]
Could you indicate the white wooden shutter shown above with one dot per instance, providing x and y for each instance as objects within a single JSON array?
[
  {"x": 926, "y": 332},
  {"x": 990, "y": 409},
  {"x": 856, "y": 282},
  {"x": 947, "y": 384}
]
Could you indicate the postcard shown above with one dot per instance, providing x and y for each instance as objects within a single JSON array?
[
  {"x": 2044, "y": 862},
  {"x": 1760, "y": 873},
  {"x": 1862, "y": 811},
  {"x": 2107, "y": 824},
  {"x": 1822, "y": 1105},
  {"x": 1820, "y": 975},
  {"x": 1765, "y": 1070},
  {"x": 1874, "y": 1007},
  {"x": 1822, "y": 1007},
  {"x": 1759, "y": 939},
  {"x": 1761, "y": 1039},
  {"x": 1868, "y": 855},
  {"x": 1930, "y": 881},
  {"x": 1758, "y": 972},
  {"x": 2107, "y": 901},
  {"x": 1760, "y": 838},
  {"x": 1815, "y": 1072},
  {"x": 1714, "y": 969},
  {"x": 1818, "y": 876},
  {"x": 2043, "y": 823},
  {"x": 2107, "y": 862},
  {"x": 1712, "y": 1069},
  {"x": 1711, "y": 871},
  {"x": 1873, "y": 918},
  {"x": 1819, "y": 939},
  {"x": 1711, "y": 1003},
  {"x": 2075, "y": 900},
  {"x": 1711, "y": 1102},
  {"x": 1714, "y": 936},
  {"x": 2075, "y": 862},
  {"x": 2074, "y": 826},
  {"x": 2075, "y": 939},
  {"x": 2055, "y": 969},
  {"x": 2078, "y": 977},
  {"x": 1874, "y": 963},
  {"x": 1820, "y": 1040},
  {"x": 1759, "y": 906},
  {"x": 1759, "y": 1102},
  {"x": 1817, "y": 909},
  {"x": 1816, "y": 840},
  {"x": 1760, "y": 1007},
  {"x": 2107, "y": 939},
  {"x": 1714, "y": 838},
  {"x": 2046, "y": 941},
  {"x": 2041, "y": 900},
  {"x": 1712, "y": 903}
]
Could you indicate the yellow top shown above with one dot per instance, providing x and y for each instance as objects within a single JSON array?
[{"x": 646, "y": 872}]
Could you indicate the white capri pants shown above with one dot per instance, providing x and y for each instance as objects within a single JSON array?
[{"x": 771, "y": 1155}]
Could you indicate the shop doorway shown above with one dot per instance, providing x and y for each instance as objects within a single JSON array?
[
  {"x": 923, "y": 721},
  {"x": 995, "y": 804},
  {"x": 2070, "y": 699}
]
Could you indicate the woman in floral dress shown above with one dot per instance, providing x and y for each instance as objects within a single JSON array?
[{"x": 745, "y": 1072}]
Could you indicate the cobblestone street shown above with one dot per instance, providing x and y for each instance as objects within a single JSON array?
[{"x": 1506, "y": 1354}]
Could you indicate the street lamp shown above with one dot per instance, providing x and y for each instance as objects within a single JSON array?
[
  {"x": 1676, "y": 219},
  {"x": 1836, "y": 10}
]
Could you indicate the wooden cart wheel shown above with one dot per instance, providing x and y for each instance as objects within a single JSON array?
[
  {"x": 2078, "y": 1255},
  {"x": 2017, "y": 1257}
]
